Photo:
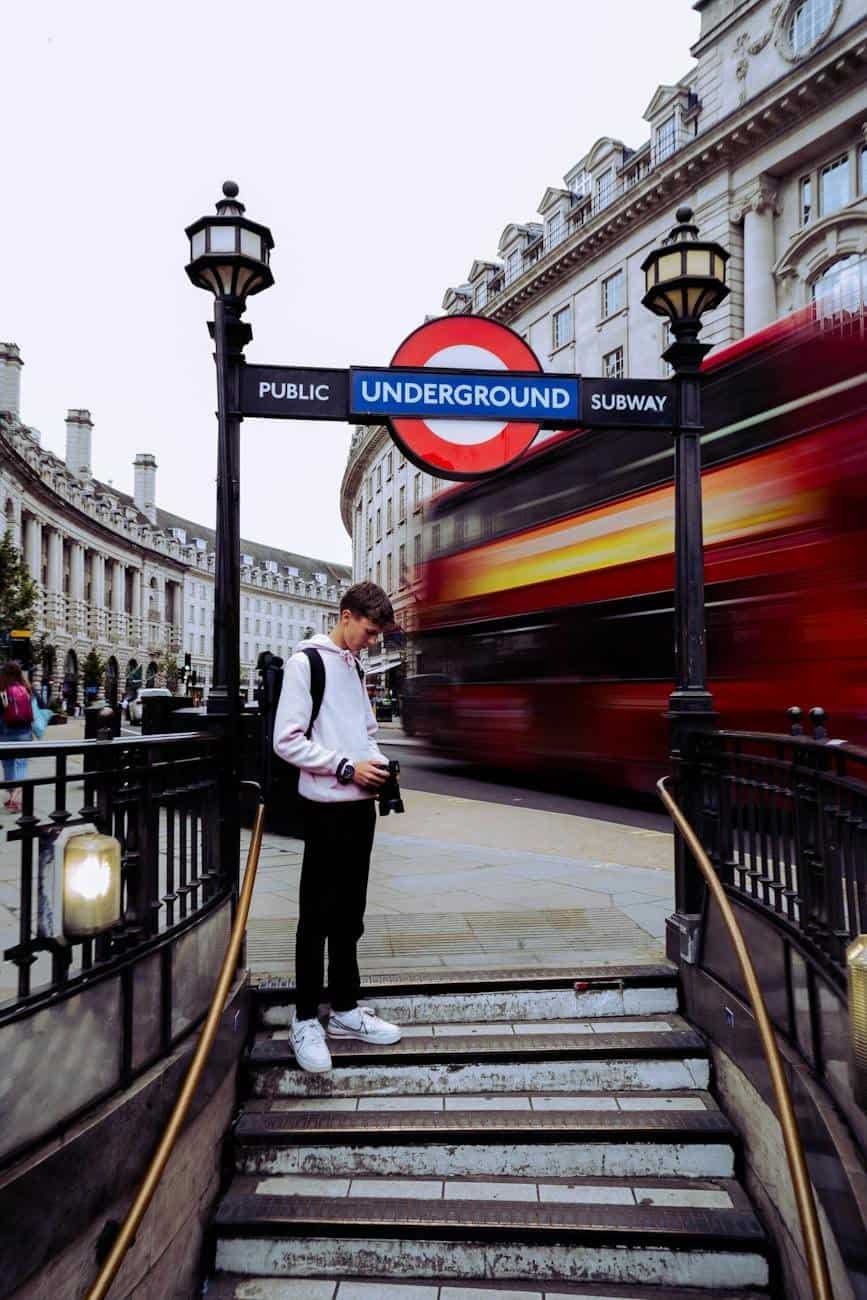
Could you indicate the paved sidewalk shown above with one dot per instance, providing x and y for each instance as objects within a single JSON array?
[
  {"x": 459, "y": 883},
  {"x": 456, "y": 883}
]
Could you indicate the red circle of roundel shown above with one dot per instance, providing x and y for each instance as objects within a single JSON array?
[{"x": 418, "y": 440}]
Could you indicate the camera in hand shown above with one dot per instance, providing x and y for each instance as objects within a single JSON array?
[{"x": 389, "y": 794}]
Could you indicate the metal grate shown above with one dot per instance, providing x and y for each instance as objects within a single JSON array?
[{"x": 605, "y": 932}]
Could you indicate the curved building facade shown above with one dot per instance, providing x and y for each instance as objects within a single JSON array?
[
  {"x": 765, "y": 137},
  {"x": 116, "y": 573}
]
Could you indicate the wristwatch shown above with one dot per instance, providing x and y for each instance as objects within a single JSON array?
[{"x": 345, "y": 771}]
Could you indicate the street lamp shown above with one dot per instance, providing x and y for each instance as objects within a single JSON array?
[
  {"x": 684, "y": 279},
  {"x": 229, "y": 257}
]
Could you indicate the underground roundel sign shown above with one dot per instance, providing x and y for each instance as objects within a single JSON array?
[{"x": 464, "y": 396}]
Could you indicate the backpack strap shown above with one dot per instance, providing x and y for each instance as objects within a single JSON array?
[{"x": 317, "y": 683}]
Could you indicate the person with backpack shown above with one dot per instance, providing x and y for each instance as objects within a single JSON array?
[
  {"x": 16, "y": 722},
  {"x": 340, "y": 771}
]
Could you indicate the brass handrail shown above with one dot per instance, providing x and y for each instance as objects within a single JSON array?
[
  {"x": 814, "y": 1246},
  {"x": 160, "y": 1159}
]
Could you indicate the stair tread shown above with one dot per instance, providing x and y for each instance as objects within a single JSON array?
[
  {"x": 268, "y": 1050},
  {"x": 475, "y": 1126},
  {"x": 258, "y": 1214},
  {"x": 240, "y": 1287},
  {"x": 540, "y": 1099},
  {"x": 272, "y": 989}
]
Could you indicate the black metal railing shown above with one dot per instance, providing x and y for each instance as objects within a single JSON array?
[
  {"x": 158, "y": 795},
  {"x": 784, "y": 821}
]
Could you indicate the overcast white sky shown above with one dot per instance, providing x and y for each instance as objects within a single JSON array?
[{"x": 385, "y": 142}]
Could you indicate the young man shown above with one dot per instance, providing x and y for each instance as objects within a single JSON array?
[{"x": 341, "y": 770}]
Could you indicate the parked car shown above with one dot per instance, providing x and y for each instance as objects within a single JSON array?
[{"x": 149, "y": 692}]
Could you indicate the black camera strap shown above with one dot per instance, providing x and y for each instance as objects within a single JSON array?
[{"x": 317, "y": 682}]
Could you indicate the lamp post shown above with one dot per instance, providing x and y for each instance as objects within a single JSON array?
[
  {"x": 684, "y": 279},
  {"x": 229, "y": 257}
]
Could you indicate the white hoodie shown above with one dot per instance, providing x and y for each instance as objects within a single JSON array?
[{"x": 345, "y": 727}]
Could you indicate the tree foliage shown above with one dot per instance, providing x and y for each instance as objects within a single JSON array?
[
  {"x": 17, "y": 588},
  {"x": 93, "y": 668}
]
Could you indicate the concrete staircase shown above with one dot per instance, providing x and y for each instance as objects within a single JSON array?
[{"x": 531, "y": 1136}]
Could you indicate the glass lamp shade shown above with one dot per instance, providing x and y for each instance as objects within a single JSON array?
[
  {"x": 685, "y": 276},
  {"x": 856, "y": 968},
  {"x": 230, "y": 255},
  {"x": 91, "y": 884}
]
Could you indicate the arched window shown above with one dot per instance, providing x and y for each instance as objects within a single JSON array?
[
  {"x": 151, "y": 675},
  {"x": 808, "y": 23},
  {"x": 842, "y": 286}
]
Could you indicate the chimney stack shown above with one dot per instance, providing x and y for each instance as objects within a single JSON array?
[
  {"x": 10, "y": 378},
  {"x": 79, "y": 428},
  {"x": 145, "y": 492}
]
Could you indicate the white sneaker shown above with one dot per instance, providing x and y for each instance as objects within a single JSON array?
[
  {"x": 308, "y": 1043},
  {"x": 364, "y": 1024}
]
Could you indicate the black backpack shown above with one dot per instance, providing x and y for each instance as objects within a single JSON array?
[{"x": 285, "y": 811}]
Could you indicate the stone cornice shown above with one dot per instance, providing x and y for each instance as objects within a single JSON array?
[
  {"x": 795, "y": 96},
  {"x": 58, "y": 506}
]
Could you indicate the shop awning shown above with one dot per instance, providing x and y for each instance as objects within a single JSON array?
[{"x": 380, "y": 666}]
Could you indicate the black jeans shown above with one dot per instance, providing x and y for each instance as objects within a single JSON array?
[{"x": 332, "y": 899}]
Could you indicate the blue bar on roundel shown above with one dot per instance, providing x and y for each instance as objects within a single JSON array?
[{"x": 456, "y": 395}]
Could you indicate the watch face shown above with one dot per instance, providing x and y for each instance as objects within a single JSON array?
[{"x": 347, "y": 774}]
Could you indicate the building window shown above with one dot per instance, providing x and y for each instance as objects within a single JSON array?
[
  {"x": 842, "y": 286},
  {"x": 388, "y": 573},
  {"x": 416, "y": 497},
  {"x": 513, "y": 266},
  {"x": 401, "y": 565},
  {"x": 561, "y": 327},
  {"x": 612, "y": 364},
  {"x": 667, "y": 341},
  {"x": 612, "y": 294},
  {"x": 379, "y": 525},
  {"x": 554, "y": 230},
  {"x": 379, "y": 573},
  {"x": 416, "y": 552},
  {"x": 605, "y": 188},
  {"x": 378, "y": 477},
  {"x": 389, "y": 514},
  {"x": 370, "y": 485},
  {"x": 480, "y": 295},
  {"x": 459, "y": 530},
  {"x": 834, "y": 185},
  {"x": 806, "y": 200},
  {"x": 369, "y": 530},
  {"x": 389, "y": 465},
  {"x": 666, "y": 138},
  {"x": 808, "y": 23},
  {"x": 401, "y": 504}
]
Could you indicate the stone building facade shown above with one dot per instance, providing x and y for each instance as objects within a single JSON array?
[
  {"x": 117, "y": 573},
  {"x": 765, "y": 137}
]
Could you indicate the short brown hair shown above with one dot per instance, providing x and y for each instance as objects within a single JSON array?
[{"x": 367, "y": 600}]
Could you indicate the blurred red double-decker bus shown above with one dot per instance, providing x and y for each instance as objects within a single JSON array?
[{"x": 546, "y": 627}]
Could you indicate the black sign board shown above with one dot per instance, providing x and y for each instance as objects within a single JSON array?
[
  {"x": 628, "y": 403},
  {"x": 295, "y": 392}
]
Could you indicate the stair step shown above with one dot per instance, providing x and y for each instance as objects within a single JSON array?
[
  {"x": 574, "y": 1001},
  {"x": 412, "y": 1237},
  {"x": 534, "y": 1101},
  {"x": 610, "y": 1060},
  {"x": 318, "y": 1288}
]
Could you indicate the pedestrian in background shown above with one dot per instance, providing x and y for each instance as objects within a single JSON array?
[
  {"x": 340, "y": 771},
  {"x": 16, "y": 723}
]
